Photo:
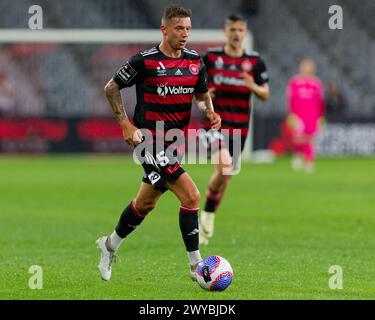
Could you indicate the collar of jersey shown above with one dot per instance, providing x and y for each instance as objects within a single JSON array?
[{"x": 161, "y": 52}]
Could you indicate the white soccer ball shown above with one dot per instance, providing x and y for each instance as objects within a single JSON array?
[{"x": 214, "y": 273}]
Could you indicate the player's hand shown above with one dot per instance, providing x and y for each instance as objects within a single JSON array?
[
  {"x": 212, "y": 93},
  {"x": 291, "y": 121},
  {"x": 131, "y": 134},
  {"x": 248, "y": 81},
  {"x": 214, "y": 119}
]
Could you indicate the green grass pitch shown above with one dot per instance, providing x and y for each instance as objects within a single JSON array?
[{"x": 280, "y": 230}]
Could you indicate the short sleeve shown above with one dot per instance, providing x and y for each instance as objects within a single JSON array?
[
  {"x": 130, "y": 73},
  {"x": 260, "y": 73},
  {"x": 205, "y": 60},
  {"x": 201, "y": 86}
]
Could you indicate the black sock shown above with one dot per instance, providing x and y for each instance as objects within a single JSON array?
[
  {"x": 213, "y": 199},
  {"x": 189, "y": 228},
  {"x": 210, "y": 205},
  {"x": 129, "y": 220}
]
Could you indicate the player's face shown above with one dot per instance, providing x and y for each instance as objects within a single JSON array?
[
  {"x": 177, "y": 32},
  {"x": 307, "y": 67},
  {"x": 235, "y": 33}
]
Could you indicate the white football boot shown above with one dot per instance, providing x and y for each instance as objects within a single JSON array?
[
  {"x": 206, "y": 227},
  {"x": 193, "y": 270},
  {"x": 297, "y": 163},
  {"x": 309, "y": 167},
  {"x": 106, "y": 259}
]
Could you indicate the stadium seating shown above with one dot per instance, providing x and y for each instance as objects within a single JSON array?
[
  {"x": 362, "y": 11},
  {"x": 350, "y": 49},
  {"x": 285, "y": 32},
  {"x": 296, "y": 32}
]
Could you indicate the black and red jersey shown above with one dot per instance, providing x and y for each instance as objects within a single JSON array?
[
  {"x": 165, "y": 86},
  {"x": 232, "y": 98}
]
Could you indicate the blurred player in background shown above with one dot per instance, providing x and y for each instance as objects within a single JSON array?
[
  {"x": 166, "y": 77},
  {"x": 305, "y": 107},
  {"x": 233, "y": 75}
]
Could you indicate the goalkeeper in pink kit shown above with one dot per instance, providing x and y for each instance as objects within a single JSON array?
[{"x": 305, "y": 103}]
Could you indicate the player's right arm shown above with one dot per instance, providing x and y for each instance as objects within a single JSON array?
[
  {"x": 131, "y": 134},
  {"x": 128, "y": 75},
  {"x": 205, "y": 105}
]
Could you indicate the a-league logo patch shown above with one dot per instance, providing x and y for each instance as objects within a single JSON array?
[{"x": 127, "y": 73}]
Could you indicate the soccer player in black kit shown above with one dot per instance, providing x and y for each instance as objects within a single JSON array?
[
  {"x": 167, "y": 77},
  {"x": 233, "y": 75}
]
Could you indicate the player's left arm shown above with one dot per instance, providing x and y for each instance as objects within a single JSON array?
[
  {"x": 258, "y": 84},
  {"x": 261, "y": 91},
  {"x": 205, "y": 105},
  {"x": 203, "y": 98}
]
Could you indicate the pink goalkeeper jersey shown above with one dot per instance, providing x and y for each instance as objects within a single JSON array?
[{"x": 305, "y": 99}]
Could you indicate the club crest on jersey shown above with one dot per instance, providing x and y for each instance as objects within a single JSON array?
[
  {"x": 246, "y": 66},
  {"x": 194, "y": 70}
]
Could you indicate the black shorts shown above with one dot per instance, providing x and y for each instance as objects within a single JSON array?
[
  {"x": 160, "y": 166},
  {"x": 215, "y": 141}
]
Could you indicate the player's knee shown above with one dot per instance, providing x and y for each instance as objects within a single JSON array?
[
  {"x": 224, "y": 175},
  {"x": 225, "y": 178},
  {"x": 145, "y": 206},
  {"x": 192, "y": 199}
]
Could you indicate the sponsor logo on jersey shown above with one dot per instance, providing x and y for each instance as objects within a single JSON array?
[
  {"x": 178, "y": 73},
  {"x": 230, "y": 81},
  {"x": 164, "y": 90},
  {"x": 161, "y": 70},
  {"x": 246, "y": 66},
  {"x": 219, "y": 63},
  {"x": 194, "y": 69}
]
